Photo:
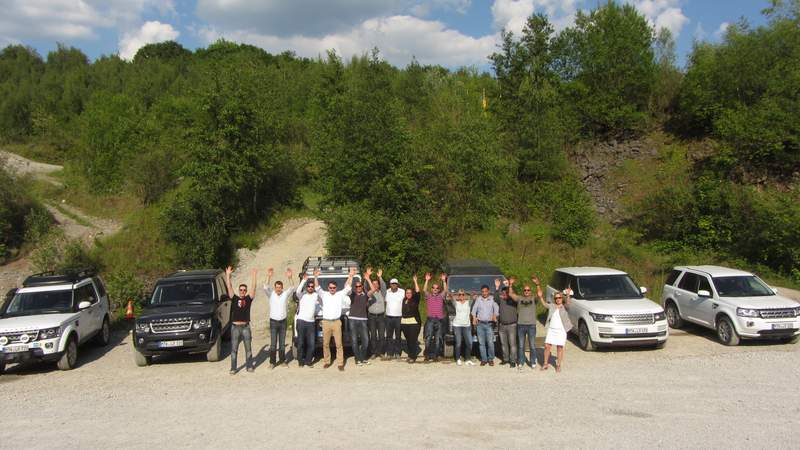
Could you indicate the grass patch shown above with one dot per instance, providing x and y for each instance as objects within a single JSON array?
[
  {"x": 38, "y": 152},
  {"x": 71, "y": 215}
]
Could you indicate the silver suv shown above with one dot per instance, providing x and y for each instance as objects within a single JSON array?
[{"x": 735, "y": 303}]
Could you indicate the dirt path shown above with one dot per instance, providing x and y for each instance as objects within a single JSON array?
[{"x": 24, "y": 166}]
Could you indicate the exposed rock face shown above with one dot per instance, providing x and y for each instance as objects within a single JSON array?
[{"x": 595, "y": 160}]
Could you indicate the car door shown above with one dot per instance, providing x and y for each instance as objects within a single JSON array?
[
  {"x": 87, "y": 320},
  {"x": 576, "y": 307},
  {"x": 224, "y": 304},
  {"x": 704, "y": 307},
  {"x": 685, "y": 293}
]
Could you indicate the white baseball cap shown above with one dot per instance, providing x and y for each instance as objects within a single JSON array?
[{"x": 393, "y": 281}]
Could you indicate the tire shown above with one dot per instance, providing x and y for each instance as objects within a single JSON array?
[
  {"x": 104, "y": 335},
  {"x": 140, "y": 359},
  {"x": 673, "y": 315},
  {"x": 726, "y": 333},
  {"x": 70, "y": 356},
  {"x": 214, "y": 354},
  {"x": 584, "y": 338}
]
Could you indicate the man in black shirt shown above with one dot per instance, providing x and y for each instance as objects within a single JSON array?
[
  {"x": 359, "y": 334},
  {"x": 240, "y": 320}
]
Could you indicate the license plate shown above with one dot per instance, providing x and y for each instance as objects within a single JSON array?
[
  {"x": 319, "y": 333},
  {"x": 635, "y": 330},
  {"x": 167, "y": 344},
  {"x": 781, "y": 326},
  {"x": 15, "y": 348}
]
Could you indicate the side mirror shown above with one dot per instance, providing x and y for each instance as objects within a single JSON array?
[
  {"x": 83, "y": 305},
  {"x": 774, "y": 290},
  {"x": 643, "y": 290},
  {"x": 703, "y": 293}
]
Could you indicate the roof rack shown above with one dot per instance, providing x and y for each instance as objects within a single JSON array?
[
  {"x": 330, "y": 263},
  {"x": 51, "y": 277}
]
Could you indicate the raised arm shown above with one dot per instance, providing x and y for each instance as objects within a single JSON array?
[
  {"x": 568, "y": 293},
  {"x": 443, "y": 277},
  {"x": 299, "y": 291},
  {"x": 317, "y": 287},
  {"x": 252, "y": 288},
  {"x": 511, "y": 293},
  {"x": 497, "y": 284},
  {"x": 349, "y": 282},
  {"x": 366, "y": 281},
  {"x": 382, "y": 283},
  {"x": 289, "y": 279},
  {"x": 228, "y": 272},
  {"x": 416, "y": 283},
  {"x": 539, "y": 295},
  {"x": 268, "y": 283},
  {"x": 428, "y": 277}
]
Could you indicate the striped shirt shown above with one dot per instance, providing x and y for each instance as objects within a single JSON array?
[{"x": 435, "y": 305}]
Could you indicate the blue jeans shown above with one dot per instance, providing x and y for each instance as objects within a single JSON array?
[
  {"x": 463, "y": 335},
  {"x": 433, "y": 337},
  {"x": 359, "y": 339},
  {"x": 377, "y": 334},
  {"x": 530, "y": 331},
  {"x": 241, "y": 333},
  {"x": 305, "y": 342},
  {"x": 485, "y": 342},
  {"x": 277, "y": 340}
]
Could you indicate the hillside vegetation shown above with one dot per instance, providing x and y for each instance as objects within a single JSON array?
[{"x": 408, "y": 166}]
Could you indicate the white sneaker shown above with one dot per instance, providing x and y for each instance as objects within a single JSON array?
[
  {"x": 359, "y": 363},
  {"x": 366, "y": 362},
  {"x": 470, "y": 363},
  {"x": 459, "y": 361},
  {"x": 533, "y": 366}
]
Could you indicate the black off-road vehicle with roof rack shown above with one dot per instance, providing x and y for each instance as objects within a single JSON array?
[
  {"x": 51, "y": 315},
  {"x": 335, "y": 269},
  {"x": 188, "y": 312},
  {"x": 470, "y": 275}
]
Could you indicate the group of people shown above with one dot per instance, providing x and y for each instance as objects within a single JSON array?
[{"x": 379, "y": 314}]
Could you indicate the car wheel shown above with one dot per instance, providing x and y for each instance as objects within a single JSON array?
[
  {"x": 673, "y": 316},
  {"x": 104, "y": 335},
  {"x": 70, "y": 356},
  {"x": 584, "y": 338},
  {"x": 726, "y": 333},
  {"x": 214, "y": 354},
  {"x": 140, "y": 359}
]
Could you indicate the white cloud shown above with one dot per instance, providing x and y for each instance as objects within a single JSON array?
[
  {"x": 398, "y": 37},
  {"x": 149, "y": 33},
  {"x": 723, "y": 27},
  {"x": 512, "y": 15},
  {"x": 663, "y": 14},
  {"x": 699, "y": 32}
]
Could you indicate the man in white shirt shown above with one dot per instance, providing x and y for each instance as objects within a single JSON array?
[
  {"x": 304, "y": 321},
  {"x": 278, "y": 305},
  {"x": 332, "y": 303},
  {"x": 394, "y": 314}
]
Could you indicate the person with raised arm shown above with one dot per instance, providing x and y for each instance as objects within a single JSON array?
[
  {"x": 507, "y": 328},
  {"x": 376, "y": 313},
  {"x": 557, "y": 325},
  {"x": 359, "y": 335},
  {"x": 308, "y": 303},
  {"x": 240, "y": 320},
  {"x": 434, "y": 324},
  {"x": 394, "y": 314},
  {"x": 278, "y": 311},
  {"x": 462, "y": 329},
  {"x": 411, "y": 322},
  {"x": 484, "y": 312},
  {"x": 333, "y": 301},
  {"x": 526, "y": 320}
]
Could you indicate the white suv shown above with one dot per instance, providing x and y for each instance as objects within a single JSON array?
[
  {"x": 735, "y": 303},
  {"x": 608, "y": 309},
  {"x": 50, "y": 316}
]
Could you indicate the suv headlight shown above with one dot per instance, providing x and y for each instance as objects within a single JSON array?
[
  {"x": 746, "y": 312},
  {"x": 49, "y": 333},
  {"x": 659, "y": 316},
  {"x": 202, "y": 323},
  {"x": 142, "y": 327},
  {"x": 602, "y": 317}
]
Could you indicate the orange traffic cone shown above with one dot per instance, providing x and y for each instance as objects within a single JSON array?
[{"x": 129, "y": 310}]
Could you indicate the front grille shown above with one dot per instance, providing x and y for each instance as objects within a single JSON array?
[
  {"x": 633, "y": 319},
  {"x": 15, "y": 337},
  {"x": 786, "y": 313},
  {"x": 174, "y": 325}
]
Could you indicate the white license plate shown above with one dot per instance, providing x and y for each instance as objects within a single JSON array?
[
  {"x": 319, "y": 333},
  {"x": 15, "y": 348},
  {"x": 635, "y": 330},
  {"x": 781, "y": 326},
  {"x": 168, "y": 344}
]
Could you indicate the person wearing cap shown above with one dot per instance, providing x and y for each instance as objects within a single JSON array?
[
  {"x": 359, "y": 336},
  {"x": 394, "y": 314},
  {"x": 307, "y": 307},
  {"x": 526, "y": 320},
  {"x": 507, "y": 328},
  {"x": 462, "y": 329},
  {"x": 333, "y": 301},
  {"x": 278, "y": 310},
  {"x": 484, "y": 312},
  {"x": 240, "y": 320},
  {"x": 376, "y": 313},
  {"x": 434, "y": 324},
  {"x": 411, "y": 322}
]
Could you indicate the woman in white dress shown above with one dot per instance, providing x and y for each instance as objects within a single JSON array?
[{"x": 557, "y": 325}]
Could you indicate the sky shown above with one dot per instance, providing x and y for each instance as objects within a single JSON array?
[{"x": 451, "y": 33}]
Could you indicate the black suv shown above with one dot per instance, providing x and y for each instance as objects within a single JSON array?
[
  {"x": 188, "y": 312},
  {"x": 469, "y": 275}
]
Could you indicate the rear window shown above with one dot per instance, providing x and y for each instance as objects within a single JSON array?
[{"x": 672, "y": 277}]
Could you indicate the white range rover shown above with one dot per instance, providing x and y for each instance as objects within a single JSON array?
[
  {"x": 735, "y": 303},
  {"x": 608, "y": 309},
  {"x": 50, "y": 316}
]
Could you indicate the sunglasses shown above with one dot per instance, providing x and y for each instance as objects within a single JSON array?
[
  {"x": 358, "y": 285},
  {"x": 526, "y": 290}
]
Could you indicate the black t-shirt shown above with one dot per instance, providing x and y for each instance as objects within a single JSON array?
[
  {"x": 411, "y": 307},
  {"x": 240, "y": 308}
]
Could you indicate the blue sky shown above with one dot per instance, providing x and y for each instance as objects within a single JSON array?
[{"x": 452, "y": 33}]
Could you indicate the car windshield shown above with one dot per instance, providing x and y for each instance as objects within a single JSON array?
[
  {"x": 323, "y": 281},
  {"x": 606, "y": 287},
  {"x": 44, "y": 302},
  {"x": 741, "y": 286},
  {"x": 183, "y": 292},
  {"x": 471, "y": 283}
]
